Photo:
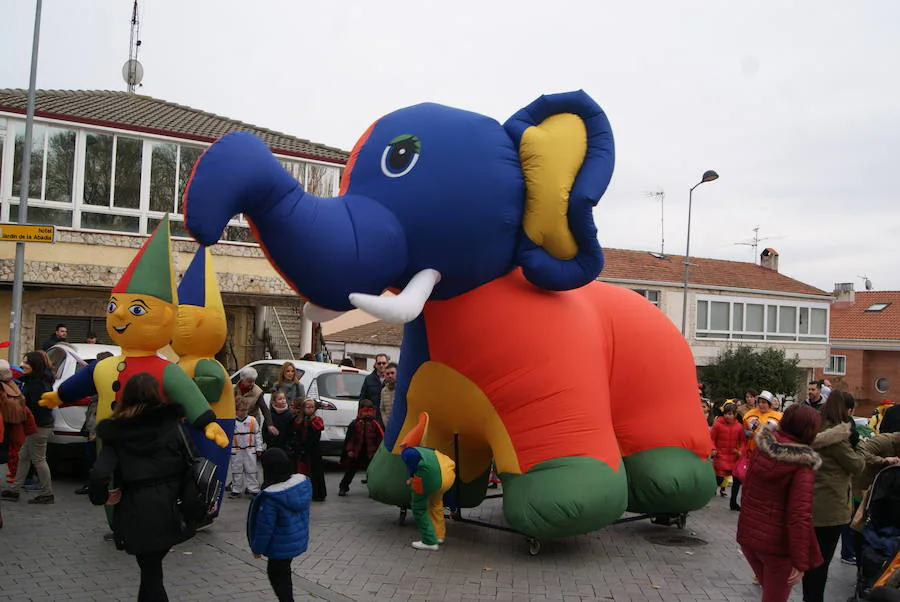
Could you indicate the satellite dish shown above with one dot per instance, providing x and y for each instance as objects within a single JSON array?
[{"x": 132, "y": 72}]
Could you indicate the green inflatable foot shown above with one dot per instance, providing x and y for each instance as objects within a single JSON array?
[
  {"x": 387, "y": 476},
  {"x": 668, "y": 480},
  {"x": 564, "y": 497}
]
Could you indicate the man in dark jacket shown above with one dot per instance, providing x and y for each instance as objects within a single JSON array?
[
  {"x": 59, "y": 336},
  {"x": 371, "y": 388}
]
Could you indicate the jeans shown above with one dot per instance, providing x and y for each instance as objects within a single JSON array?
[
  {"x": 34, "y": 453},
  {"x": 152, "y": 588},
  {"x": 772, "y": 572},
  {"x": 814, "y": 579},
  {"x": 279, "y": 572}
]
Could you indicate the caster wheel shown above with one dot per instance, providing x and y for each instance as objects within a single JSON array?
[
  {"x": 402, "y": 520},
  {"x": 534, "y": 546},
  {"x": 682, "y": 520}
]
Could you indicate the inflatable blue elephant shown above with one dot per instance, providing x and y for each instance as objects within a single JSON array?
[{"x": 511, "y": 347}]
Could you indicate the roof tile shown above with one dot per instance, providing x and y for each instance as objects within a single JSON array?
[
  {"x": 147, "y": 114},
  {"x": 641, "y": 265},
  {"x": 373, "y": 333},
  {"x": 852, "y": 321}
]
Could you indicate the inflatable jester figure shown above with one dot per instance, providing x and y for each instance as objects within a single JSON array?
[
  {"x": 200, "y": 333},
  {"x": 140, "y": 318}
]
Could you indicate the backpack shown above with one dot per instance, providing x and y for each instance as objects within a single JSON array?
[{"x": 12, "y": 403}]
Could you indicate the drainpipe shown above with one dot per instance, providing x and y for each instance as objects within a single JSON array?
[{"x": 306, "y": 332}]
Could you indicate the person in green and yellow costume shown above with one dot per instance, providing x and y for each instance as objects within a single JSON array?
[
  {"x": 431, "y": 474},
  {"x": 200, "y": 332},
  {"x": 140, "y": 318}
]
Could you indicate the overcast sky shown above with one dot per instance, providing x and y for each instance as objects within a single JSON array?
[{"x": 795, "y": 104}]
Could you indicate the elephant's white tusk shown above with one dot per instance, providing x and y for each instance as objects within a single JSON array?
[
  {"x": 319, "y": 314},
  {"x": 404, "y": 307}
]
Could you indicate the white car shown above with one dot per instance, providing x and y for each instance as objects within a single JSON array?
[
  {"x": 336, "y": 390},
  {"x": 69, "y": 358}
]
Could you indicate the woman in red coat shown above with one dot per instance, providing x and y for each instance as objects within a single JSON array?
[
  {"x": 775, "y": 529},
  {"x": 729, "y": 444}
]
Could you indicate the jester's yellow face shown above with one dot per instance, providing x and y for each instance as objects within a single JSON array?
[{"x": 139, "y": 323}]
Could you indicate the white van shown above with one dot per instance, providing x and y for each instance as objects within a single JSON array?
[{"x": 336, "y": 390}]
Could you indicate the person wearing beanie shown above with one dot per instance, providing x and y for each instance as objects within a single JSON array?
[{"x": 278, "y": 520}]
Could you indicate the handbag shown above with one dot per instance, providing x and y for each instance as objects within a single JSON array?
[
  {"x": 741, "y": 468},
  {"x": 200, "y": 489}
]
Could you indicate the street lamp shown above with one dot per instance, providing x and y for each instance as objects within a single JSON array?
[{"x": 708, "y": 176}]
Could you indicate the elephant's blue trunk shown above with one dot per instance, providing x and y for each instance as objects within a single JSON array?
[{"x": 237, "y": 174}]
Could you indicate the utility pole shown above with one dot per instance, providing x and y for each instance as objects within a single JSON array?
[{"x": 15, "y": 317}]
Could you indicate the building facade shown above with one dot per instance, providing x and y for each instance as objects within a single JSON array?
[
  {"x": 105, "y": 168},
  {"x": 864, "y": 357}
]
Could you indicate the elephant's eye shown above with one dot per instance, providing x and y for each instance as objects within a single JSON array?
[{"x": 400, "y": 156}]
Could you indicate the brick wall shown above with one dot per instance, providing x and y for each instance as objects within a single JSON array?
[{"x": 862, "y": 368}]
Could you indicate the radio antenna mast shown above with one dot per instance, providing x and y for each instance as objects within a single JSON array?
[
  {"x": 661, "y": 197},
  {"x": 132, "y": 70}
]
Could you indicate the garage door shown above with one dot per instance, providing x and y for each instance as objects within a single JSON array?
[{"x": 78, "y": 328}]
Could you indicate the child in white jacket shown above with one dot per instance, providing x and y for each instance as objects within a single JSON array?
[{"x": 246, "y": 446}]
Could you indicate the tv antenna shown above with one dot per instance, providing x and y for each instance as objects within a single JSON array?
[
  {"x": 754, "y": 242},
  {"x": 661, "y": 197},
  {"x": 866, "y": 282},
  {"x": 132, "y": 70}
]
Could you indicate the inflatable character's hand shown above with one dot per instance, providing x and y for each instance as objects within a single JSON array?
[
  {"x": 50, "y": 400},
  {"x": 215, "y": 433}
]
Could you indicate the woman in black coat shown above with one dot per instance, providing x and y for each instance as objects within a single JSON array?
[{"x": 144, "y": 457}]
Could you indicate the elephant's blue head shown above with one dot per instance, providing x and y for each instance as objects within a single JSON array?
[{"x": 434, "y": 202}]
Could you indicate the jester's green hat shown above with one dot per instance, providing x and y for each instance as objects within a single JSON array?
[{"x": 150, "y": 272}]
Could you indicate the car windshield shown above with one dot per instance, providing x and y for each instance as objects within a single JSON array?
[{"x": 340, "y": 385}]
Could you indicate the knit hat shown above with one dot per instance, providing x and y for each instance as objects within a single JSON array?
[
  {"x": 276, "y": 466},
  {"x": 150, "y": 272}
]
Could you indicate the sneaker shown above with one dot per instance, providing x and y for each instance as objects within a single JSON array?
[
  {"x": 10, "y": 495},
  {"x": 440, "y": 541},
  {"x": 108, "y": 536},
  {"x": 82, "y": 490},
  {"x": 252, "y": 494},
  {"x": 234, "y": 495},
  {"x": 42, "y": 499},
  {"x": 10, "y": 479},
  {"x": 433, "y": 547},
  {"x": 32, "y": 487},
  {"x": 343, "y": 492},
  {"x": 722, "y": 492},
  {"x": 851, "y": 560}
]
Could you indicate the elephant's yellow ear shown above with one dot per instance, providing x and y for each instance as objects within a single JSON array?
[{"x": 552, "y": 154}]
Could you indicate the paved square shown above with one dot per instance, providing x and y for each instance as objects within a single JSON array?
[{"x": 358, "y": 552}]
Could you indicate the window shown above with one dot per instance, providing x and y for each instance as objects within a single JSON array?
[
  {"x": 341, "y": 385},
  {"x": 52, "y": 169},
  {"x": 837, "y": 364},
  {"x": 734, "y": 319},
  {"x": 881, "y": 384},
  {"x": 651, "y": 296},
  {"x": 112, "y": 183},
  {"x": 875, "y": 307}
]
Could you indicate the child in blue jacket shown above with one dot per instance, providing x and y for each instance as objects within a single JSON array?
[{"x": 278, "y": 520}]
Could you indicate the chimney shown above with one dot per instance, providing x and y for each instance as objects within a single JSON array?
[
  {"x": 769, "y": 259},
  {"x": 843, "y": 292}
]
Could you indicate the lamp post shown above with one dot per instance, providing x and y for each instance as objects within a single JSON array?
[{"x": 708, "y": 176}]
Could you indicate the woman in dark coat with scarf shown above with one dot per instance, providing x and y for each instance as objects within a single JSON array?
[
  {"x": 775, "y": 528},
  {"x": 144, "y": 457}
]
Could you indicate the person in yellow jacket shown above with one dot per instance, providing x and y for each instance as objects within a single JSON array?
[{"x": 758, "y": 417}]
